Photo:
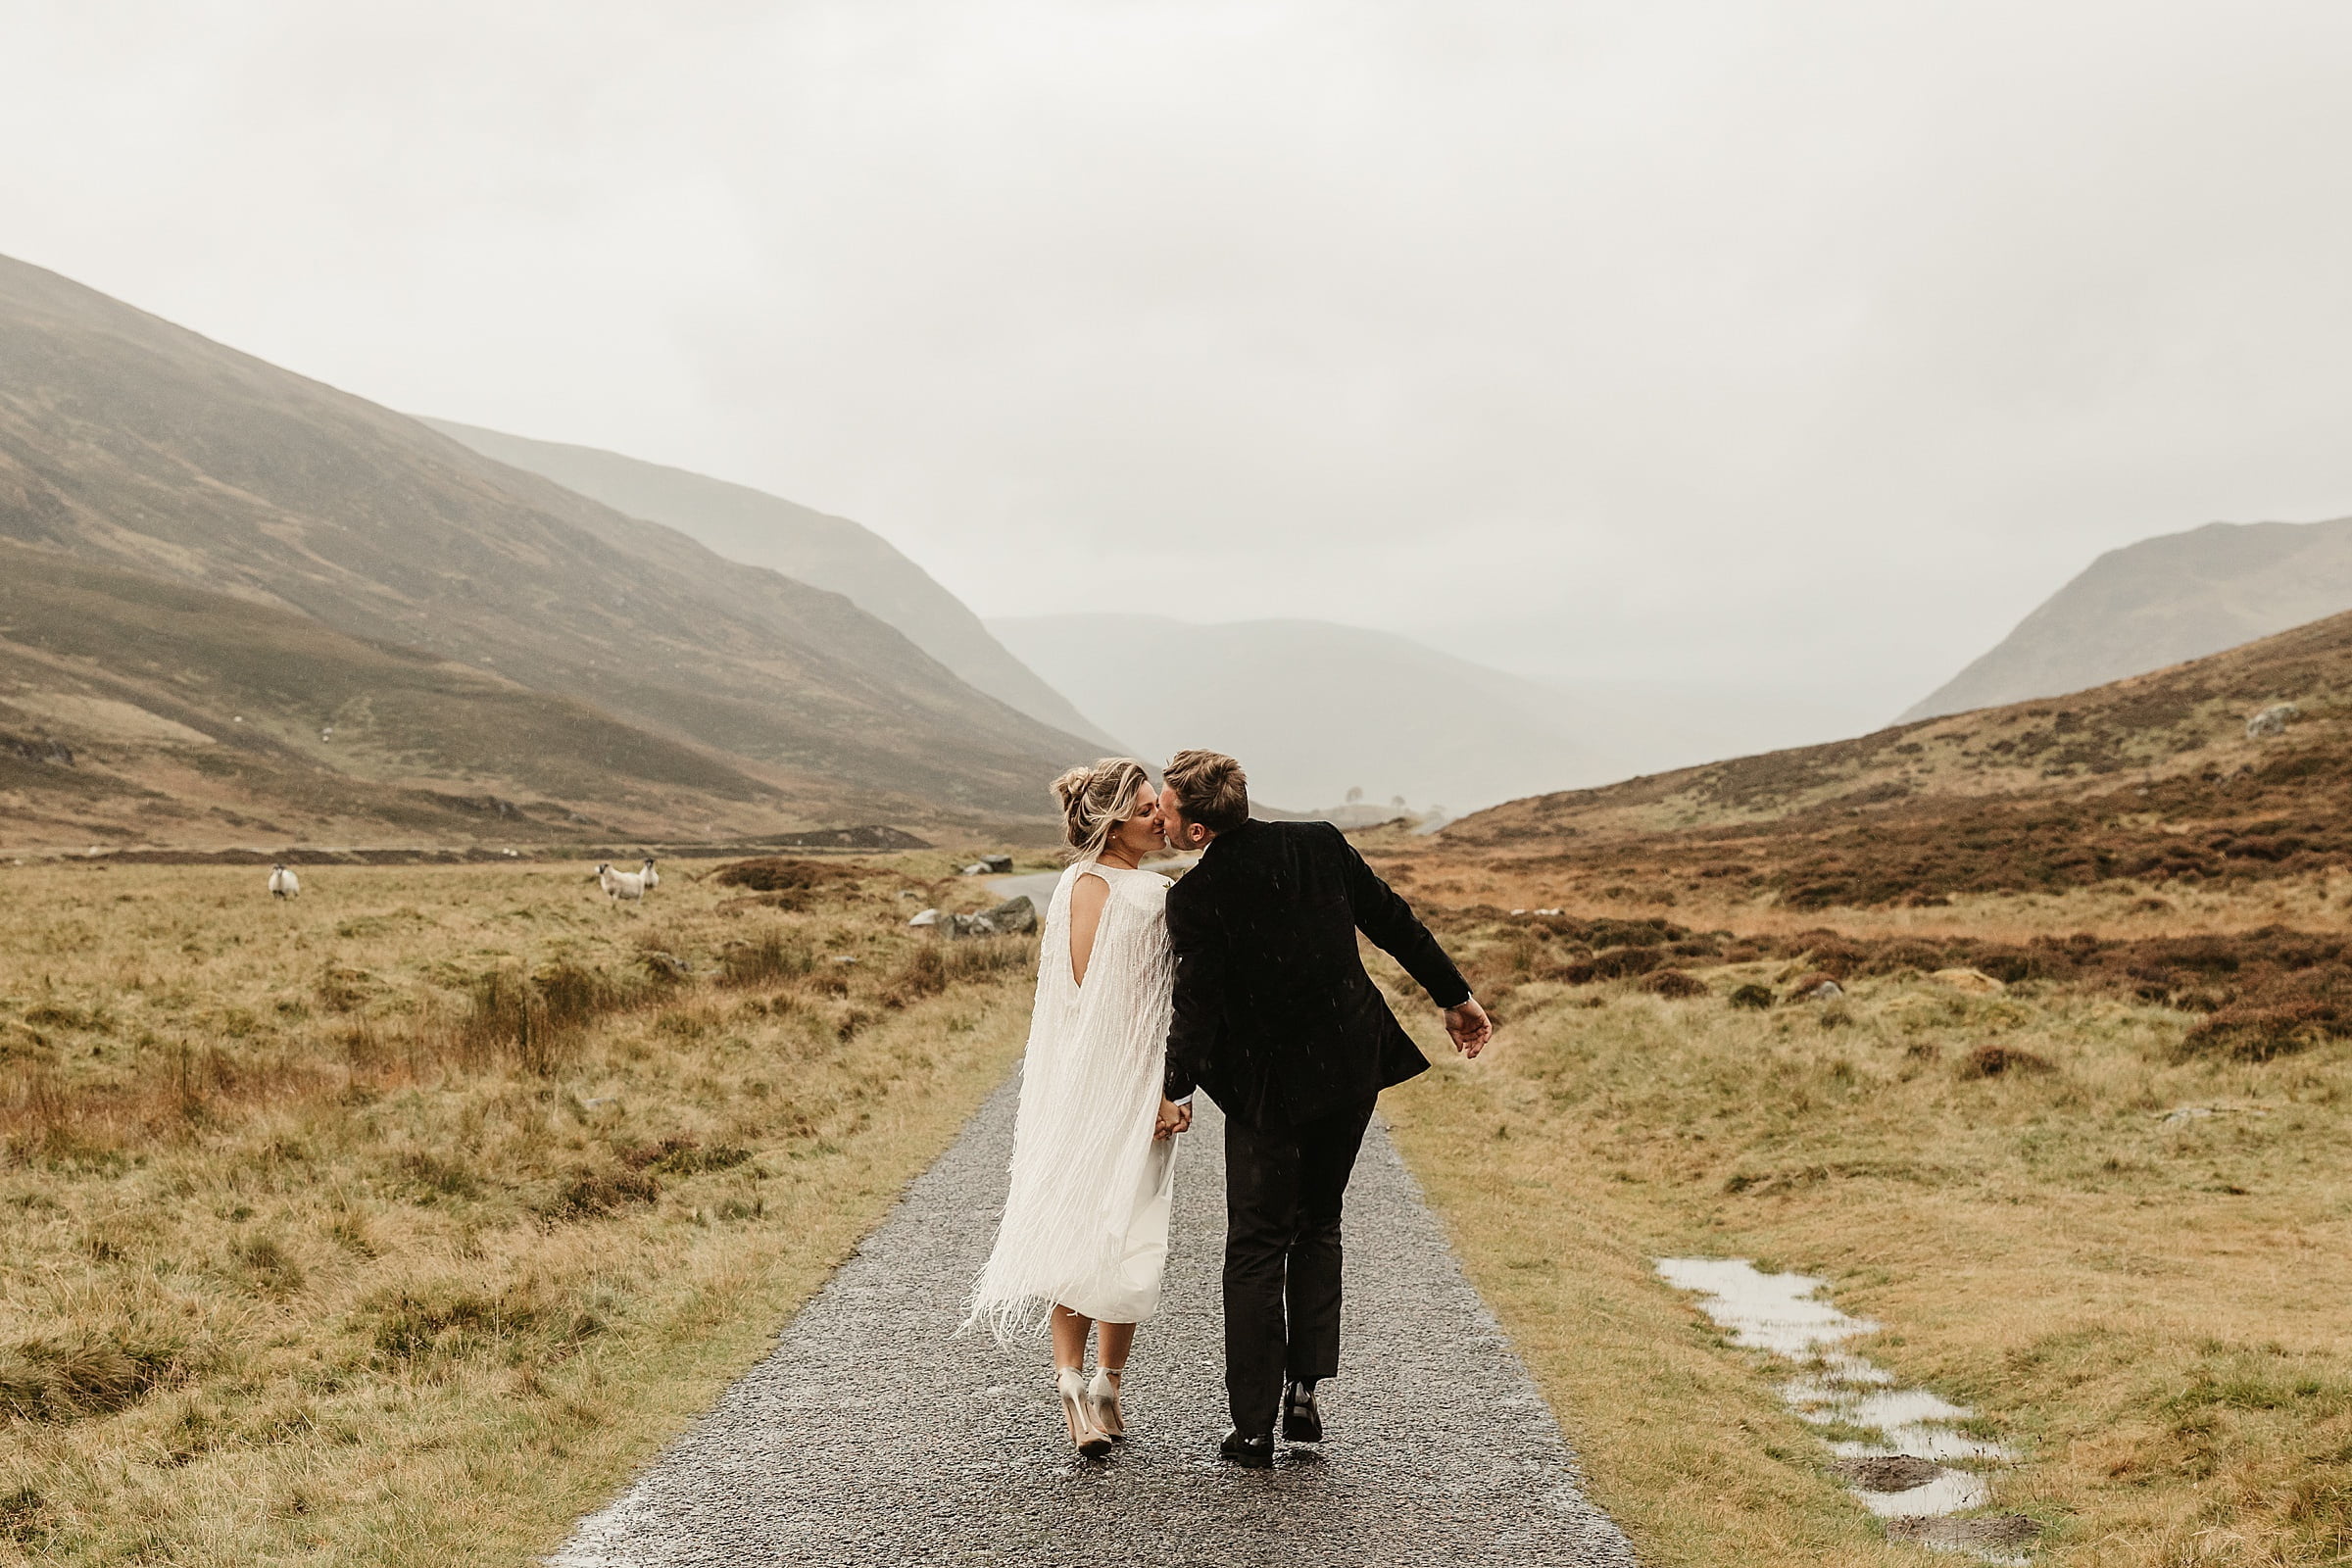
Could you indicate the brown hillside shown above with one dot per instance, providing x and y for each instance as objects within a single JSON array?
[
  {"x": 133, "y": 708},
  {"x": 126, "y": 440},
  {"x": 2153, "y": 779}
]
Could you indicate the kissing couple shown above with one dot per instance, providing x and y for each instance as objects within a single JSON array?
[{"x": 1241, "y": 980}]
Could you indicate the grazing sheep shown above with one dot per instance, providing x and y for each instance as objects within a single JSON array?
[
  {"x": 619, "y": 885},
  {"x": 283, "y": 883},
  {"x": 648, "y": 875}
]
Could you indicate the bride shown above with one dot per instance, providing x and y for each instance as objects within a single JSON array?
[{"x": 1085, "y": 1233}]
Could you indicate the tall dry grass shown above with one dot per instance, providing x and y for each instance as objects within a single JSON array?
[
  {"x": 2152, "y": 1306},
  {"x": 397, "y": 1223}
]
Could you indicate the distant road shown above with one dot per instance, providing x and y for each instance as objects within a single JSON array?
[{"x": 1040, "y": 885}]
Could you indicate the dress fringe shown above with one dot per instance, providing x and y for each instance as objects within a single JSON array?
[{"x": 1085, "y": 1222}]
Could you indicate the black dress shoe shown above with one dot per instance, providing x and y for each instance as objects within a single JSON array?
[
  {"x": 1302, "y": 1422},
  {"x": 1251, "y": 1453}
]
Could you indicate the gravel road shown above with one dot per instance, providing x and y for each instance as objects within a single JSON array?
[
  {"x": 1036, "y": 886},
  {"x": 871, "y": 1434}
]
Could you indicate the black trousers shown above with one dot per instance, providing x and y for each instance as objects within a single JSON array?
[{"x": 1283, "y": 1187}]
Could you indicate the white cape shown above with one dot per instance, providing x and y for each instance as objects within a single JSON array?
[{"x": 1086, "y": 1221}]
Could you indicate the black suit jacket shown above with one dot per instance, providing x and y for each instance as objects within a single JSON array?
[{"x": 1275, "y": 1016}]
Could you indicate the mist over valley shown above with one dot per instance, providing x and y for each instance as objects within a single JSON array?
[{"x": 1318, "y": 710}]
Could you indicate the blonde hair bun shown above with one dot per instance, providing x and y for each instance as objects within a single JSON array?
[
  {"x": 1096, "y": 799},
  {"x": 1071, "y": 788}
]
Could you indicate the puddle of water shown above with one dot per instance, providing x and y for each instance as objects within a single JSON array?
[
  {"x": 1777, "y": 1312},
  {"x": 1949, "y": 1493},
  {"x": 1784, "y": 1315}
]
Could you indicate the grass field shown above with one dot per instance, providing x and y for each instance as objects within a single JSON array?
[
  {"x": 2152, "y": 1306},
  {"x": 395, "y": 1224},
  {"x": 2104, "y": 1201}
]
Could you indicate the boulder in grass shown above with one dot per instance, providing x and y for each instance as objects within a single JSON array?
[
  {"x": 927, "y": 917},
  {"x": 2271, "y": 721},
  {"x": 1976, "y": 982},
  {"x": 1016, "y": 916},
  {"x": 990, "y": 865}
]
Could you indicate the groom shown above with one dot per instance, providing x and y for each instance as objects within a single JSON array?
[{"x": 1276, "y": 1018}]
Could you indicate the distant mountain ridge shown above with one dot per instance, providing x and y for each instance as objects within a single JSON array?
[
  {"x": 131, "y": 443},
  {"x": 2160, "y": 602},
  {"x": 1311, "y": 707},
  {"x": 827, "y": 552},
  {"x": 1315, "y": 709}
]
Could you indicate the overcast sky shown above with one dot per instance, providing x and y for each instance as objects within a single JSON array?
[{"x": 1793, "y": 342}]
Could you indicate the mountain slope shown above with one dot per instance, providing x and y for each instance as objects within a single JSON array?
[
  {"x": 1312, "y": 708},
  {"x": 2156, "y": 603},
  {"x": 128, "y": 440},
  {"x": 130, "y": 707},
  {"x": 2157, "y": 779},
  {"x": 831, "y": 552}
]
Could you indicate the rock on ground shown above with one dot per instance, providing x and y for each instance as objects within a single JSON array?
[
  {"x": 1016, "y": 916},
  {"x": 873, "y": 1435}
]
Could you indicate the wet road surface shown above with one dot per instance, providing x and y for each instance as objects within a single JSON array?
[{"x": 872, "y": 1435}]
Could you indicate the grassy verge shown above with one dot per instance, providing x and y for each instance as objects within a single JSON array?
[
  {"x": 398, "y": 1223},
  {"x": 2152, "y": 1306}
]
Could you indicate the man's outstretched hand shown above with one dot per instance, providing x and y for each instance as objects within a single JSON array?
[
  {"x": 1469, "y": 1027},
  {"x": 1173, "y": 1119}
]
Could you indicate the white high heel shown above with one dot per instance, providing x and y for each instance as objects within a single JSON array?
[
  {"x": 1077, "y": 1409},
  {"x": 1103, "y": 1393}
]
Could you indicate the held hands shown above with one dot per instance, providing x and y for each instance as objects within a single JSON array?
[
  {"x": 1173, "y": 1119},
  {"x": 1469, "y": 1027}
]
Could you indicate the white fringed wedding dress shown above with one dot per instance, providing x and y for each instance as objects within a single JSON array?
[{"x": 1086, "y": 1222}]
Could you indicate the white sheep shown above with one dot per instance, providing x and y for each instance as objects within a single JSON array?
[
  {"x": 619, "y": 885},
  {"x": 648, "y": 875},
  {"x": 283, "y": 883}
]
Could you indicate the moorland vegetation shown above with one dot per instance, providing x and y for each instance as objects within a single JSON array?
[
  {"x": 2122, "y": 1242},
  {"x": 396, "y": 1222},
  {"x": 2155, "y": 780},
  {"x": 2028, "y": 1029}
]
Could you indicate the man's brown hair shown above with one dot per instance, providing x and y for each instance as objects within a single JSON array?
[{"x": 1210, "y": 789}]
